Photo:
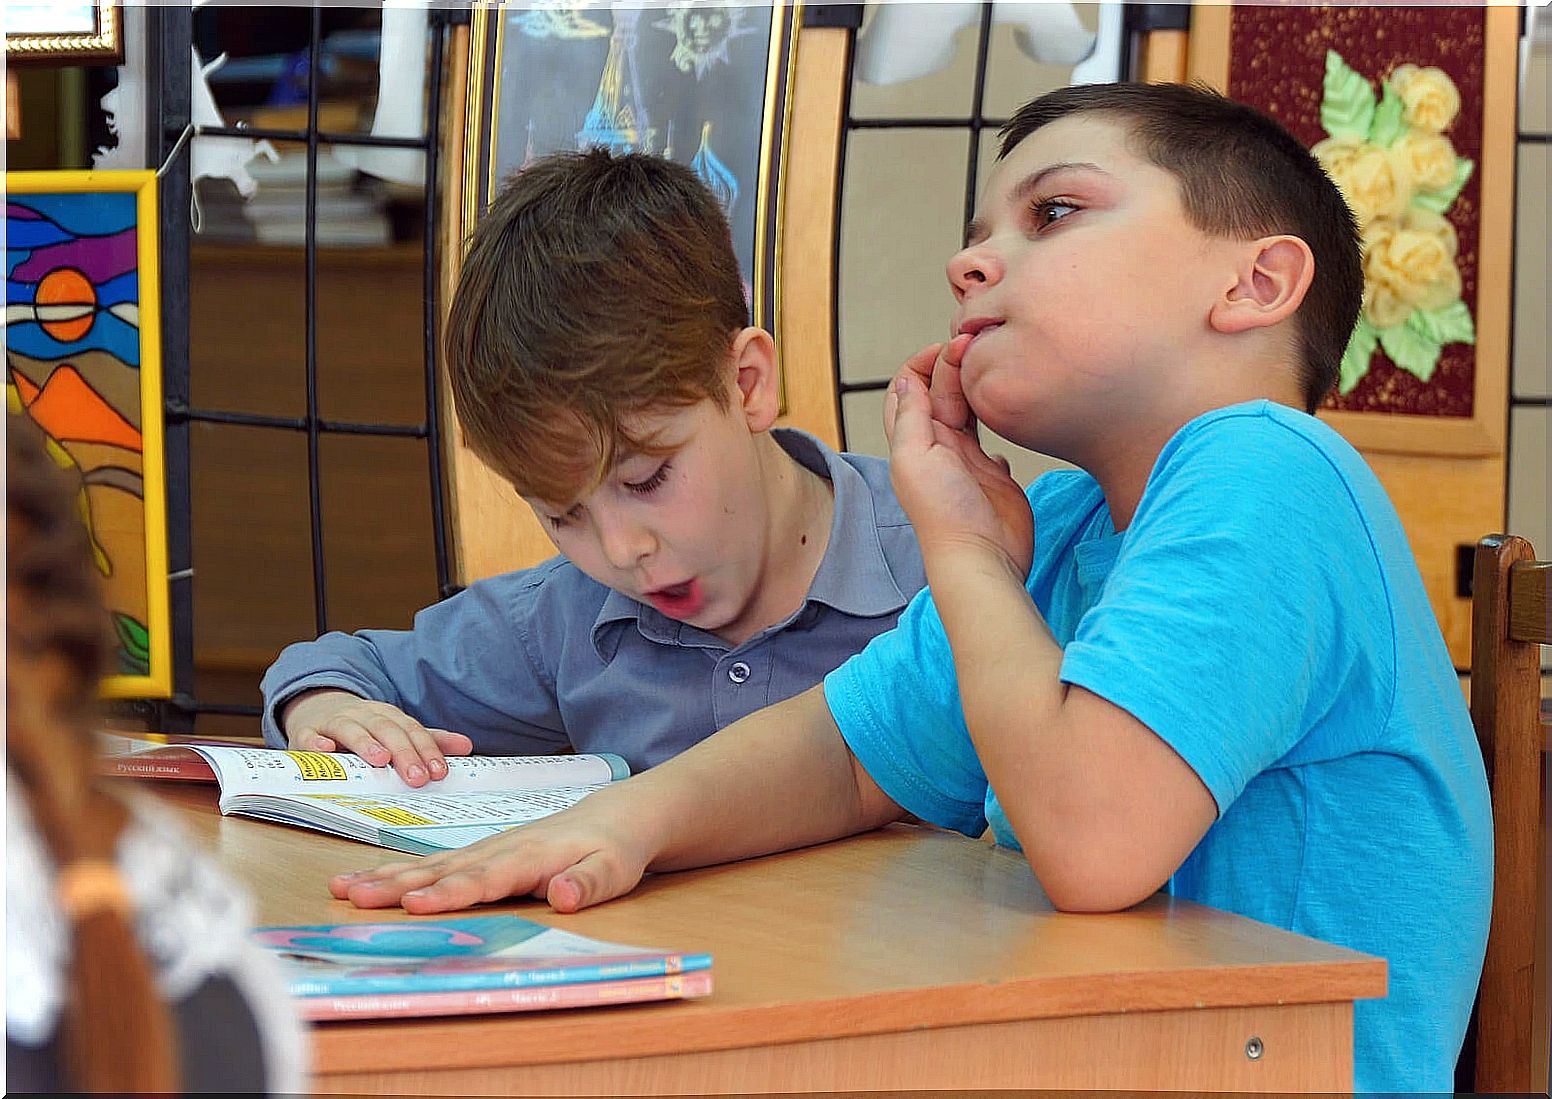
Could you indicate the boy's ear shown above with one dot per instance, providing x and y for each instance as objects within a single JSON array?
[
  {"x": 1273, "y": 278},
  {"x": 754, "y": 372}
]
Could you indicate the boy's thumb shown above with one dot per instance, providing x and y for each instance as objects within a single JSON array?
[{"x": 589, "y": 881}]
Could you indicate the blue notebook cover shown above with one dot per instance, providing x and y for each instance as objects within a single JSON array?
[{"x": 454, "y": 955}]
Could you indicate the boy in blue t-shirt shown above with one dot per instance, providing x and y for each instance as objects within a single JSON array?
[{"x": 1205, "y": 663}]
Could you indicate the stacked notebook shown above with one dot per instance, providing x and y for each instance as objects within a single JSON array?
[{"x": 470, "y": 965}]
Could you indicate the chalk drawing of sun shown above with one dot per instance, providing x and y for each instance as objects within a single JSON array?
[
  {"x": 702, "y": 33},
  {"x": 66, "y": 304}
]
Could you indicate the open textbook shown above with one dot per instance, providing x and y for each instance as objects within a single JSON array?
[
  {"x": 470, "y": 964},
  {"x": 343, "y": 795}
]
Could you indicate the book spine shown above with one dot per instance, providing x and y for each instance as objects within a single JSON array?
[
  {"x": 641, "y": 990},
  {"x": 411, "y": 983},
  {"x": 190, "y": 770}
]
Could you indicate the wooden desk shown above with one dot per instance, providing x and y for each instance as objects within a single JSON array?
[{"x": 902, "y": 959}]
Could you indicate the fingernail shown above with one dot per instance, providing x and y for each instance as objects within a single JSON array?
[
  {"x": 349, "y": 875},
  {"x": 416, "y": 773},
  {"x": 439, "y": 766},
  {"x": 415, "y": 893},
  {"x": 901, "y": 385}
]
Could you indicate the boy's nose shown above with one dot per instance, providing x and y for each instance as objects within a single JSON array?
[
  {"x": 971, "y": 266},
  {"x": 624, "y": 544}
]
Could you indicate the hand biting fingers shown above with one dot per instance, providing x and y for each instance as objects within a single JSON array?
[
  {"x": 911, "y": 426},
  {"x": 920, "y": 366},
  {"x": 948, "y": 397}
]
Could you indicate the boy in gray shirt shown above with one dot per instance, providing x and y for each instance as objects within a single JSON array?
[{"x": 711, "y": 564}]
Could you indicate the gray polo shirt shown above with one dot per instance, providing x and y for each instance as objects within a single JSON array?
[{"x": 546, "y": 658}]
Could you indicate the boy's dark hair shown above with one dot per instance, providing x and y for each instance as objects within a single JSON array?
[
  {"x": 596, "y": 287},
  {"x": 1241, "y": 175}
]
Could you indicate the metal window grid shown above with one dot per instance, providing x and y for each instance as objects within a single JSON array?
[{"x": 168, "y": 99}]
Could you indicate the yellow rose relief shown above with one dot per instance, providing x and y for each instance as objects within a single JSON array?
[{"x": 1400, "y": 174}]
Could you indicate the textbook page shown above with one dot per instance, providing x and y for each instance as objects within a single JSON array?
[{"x": 417, "y": 822}]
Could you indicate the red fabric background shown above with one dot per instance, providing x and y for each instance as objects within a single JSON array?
[{"x": 1277, "y": 62}]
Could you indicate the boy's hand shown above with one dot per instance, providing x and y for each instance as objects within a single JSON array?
[
  {"x": 327, "y": 719},
  {"x": 573, "y": 859},
  {"x": 952, "y": 490}
]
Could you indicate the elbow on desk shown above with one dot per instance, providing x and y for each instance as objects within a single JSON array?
[
  {"x": 1085, "y": 878},
  {"x": 1093, "y": 897}
]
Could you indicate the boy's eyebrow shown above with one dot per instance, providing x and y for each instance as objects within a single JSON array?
[{"x": 976, "y": 228}]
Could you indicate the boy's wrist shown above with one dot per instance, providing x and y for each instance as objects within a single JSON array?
[
  {"x": 288, "y": 708},
  {"x": 632, "y": 817},
  {"x": 951, "y": 559}
]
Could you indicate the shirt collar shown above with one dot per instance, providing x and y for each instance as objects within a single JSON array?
[{"x": 854, "y": 576}]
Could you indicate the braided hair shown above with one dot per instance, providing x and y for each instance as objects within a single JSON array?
[{"x": 116, "y": 1034}]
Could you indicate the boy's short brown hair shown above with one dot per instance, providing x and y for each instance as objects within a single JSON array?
[
  {"x": 1242, "y": 175},
  {"x": 596, "y": 287}
]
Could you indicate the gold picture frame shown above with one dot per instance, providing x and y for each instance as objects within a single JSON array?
[
  {"x": 65, "y": 32},
  {"x": 83, "y": 362},
  {"x": 1491, "y": 117}
]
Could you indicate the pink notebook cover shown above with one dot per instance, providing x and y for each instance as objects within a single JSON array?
[{"x": 683, "y": 986}]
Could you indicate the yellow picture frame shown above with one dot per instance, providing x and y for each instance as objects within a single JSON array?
[{"x": 83, "y": 361}]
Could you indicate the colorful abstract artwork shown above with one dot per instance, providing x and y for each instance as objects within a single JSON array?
[
  {"x": 82, "y": 352},
  {"x": 701, "y": 83}
]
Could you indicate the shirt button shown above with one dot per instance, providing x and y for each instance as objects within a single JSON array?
[{"x": 738, "y": 672}]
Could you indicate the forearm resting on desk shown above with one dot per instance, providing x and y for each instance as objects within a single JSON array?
[
  {"x": 1104, "y": 809},
  {"x": 779, "y": 779}
]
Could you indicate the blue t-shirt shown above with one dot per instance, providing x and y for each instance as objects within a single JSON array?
[{"x": 1264, "y": 616}]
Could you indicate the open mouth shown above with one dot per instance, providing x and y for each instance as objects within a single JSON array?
[{"x": 679, "y": 601}]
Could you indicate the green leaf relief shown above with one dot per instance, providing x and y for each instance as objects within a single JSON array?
[
  {"x": 1347, "y": 105},
  {"x": 1411, "y": 350},
  {"x": 1389, "y": 121},
  {"x": 133, "y": 636},
  {"x": 1452, "y": 324},
  {"x": 1355, "y": 360},
  {"x": 1439, "y": 201}
]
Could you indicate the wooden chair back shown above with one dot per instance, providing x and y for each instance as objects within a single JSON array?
[{"x": 1510, "y": 620}]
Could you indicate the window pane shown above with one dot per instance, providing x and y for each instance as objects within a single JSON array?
[
  {"x": 1532, "y": 378},
  {"x": 895, "y": 239},
  {"x": 378, "y": 552},
  {"x": 264, "y": 80},
  {"x": 1059, "y": 33},
  {"x": 252, "y": 555},
  {"x": 915, "y": 61}
]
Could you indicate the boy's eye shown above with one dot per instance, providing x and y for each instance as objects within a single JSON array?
[
  {"x": 652, "y": 483},
  {"x": 1049, "y": 211},
  {"x": 561, "y": 522}
]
